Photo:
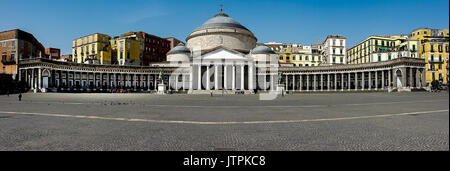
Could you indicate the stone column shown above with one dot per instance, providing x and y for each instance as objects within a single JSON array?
[
  {"x": 315, "y": 82},
  {"x": 294, "y": 83},
  {"x": 376, "y": 80},
  {"x": 95, "y": 81},
  {"x": 328, "y": 82},
  {"x": 287, "y": 83},
  {"x": 424, "y": 78},
  {"x": 307, "y": 82},
  {"x": 225, "y": 74},
  {"x": 321, "y": 82},
  {"x": 418, "y": 78},
  {"x": 233, "y": 79},
  {"x": 33, "y": 84},
  {"x": 342, "y": 81},
  {"x": 382, "y": 80},
  {"x": 67, "y": 79},
  {"x": 363, "y": 81},
  {"x": 335, "y": 81},
  {"x": 370, "y": 80},
  {"x": 216, "y": 77},
  {"x": 242, "y": 78},
  {"x": 155, "y": 80},
  {"x": 349, "y": 81},
  {"x": 26, "y": 76},
  {"x": 404, "y": 77},
  {"x": 394, "y": 78},
  {"x": 39, "y": 79},
  {"x": 390, "y": 78},
  {"x": 272, "y": 84},
  {"x": 191, "y": 79},
  {"x": 208, "y": 78},
  {"x": 411, "y": 80},
  {"x": 301, "y": 83},
  {"x": 250, "y": 77},
  {"x": 108, "y": 81},
  {"x": 356, "y": 81},
  {"x": 148, "y": 82},
  {"x": 199, "y": 80}
]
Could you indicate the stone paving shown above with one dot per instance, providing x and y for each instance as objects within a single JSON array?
[{"x": 348, "y": 121}]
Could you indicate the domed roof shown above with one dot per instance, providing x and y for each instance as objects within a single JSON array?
[
  {"x": 221, "y": 20},
  {"x": 262, "y": 50},
  {"x": 180, "y": 48}
]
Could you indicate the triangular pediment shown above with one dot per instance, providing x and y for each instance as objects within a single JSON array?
[{"x": 223, "y": 53}]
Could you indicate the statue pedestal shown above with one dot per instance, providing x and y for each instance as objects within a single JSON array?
[
  {"x": 280, "y": 88},
  {"x": 161, "y": 89}
]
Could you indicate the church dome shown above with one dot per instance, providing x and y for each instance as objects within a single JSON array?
[
  {"x": 179, "y": 49},
  {"x": 222, "y": 31},
  {"x": 262, "y": 50},
  {"x": 221, "y": 20},
  {"x": 179, "y": 53}
]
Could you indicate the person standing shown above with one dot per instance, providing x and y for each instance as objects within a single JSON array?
[{"x": 20, "y": 96}]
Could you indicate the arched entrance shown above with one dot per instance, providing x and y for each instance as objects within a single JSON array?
[
  {"x": 399, "y": 78},
  {"x": 45, "y": 78}
]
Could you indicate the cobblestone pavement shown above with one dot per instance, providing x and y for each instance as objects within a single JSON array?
[{"x": 348, "y": 121}]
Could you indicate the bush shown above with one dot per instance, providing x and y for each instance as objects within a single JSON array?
[{"x": 435, "y": 84}]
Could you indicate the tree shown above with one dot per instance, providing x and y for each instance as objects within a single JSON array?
[{"x": 435, "y": 84}]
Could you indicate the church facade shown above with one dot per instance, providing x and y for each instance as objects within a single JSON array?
[{"x": 222, "y": 56}]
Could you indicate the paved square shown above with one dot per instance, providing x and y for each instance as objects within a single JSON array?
[{"x": 347, "y": 121}]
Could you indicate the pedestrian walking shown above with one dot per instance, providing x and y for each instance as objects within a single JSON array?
[{"x": 20, "y": 96}]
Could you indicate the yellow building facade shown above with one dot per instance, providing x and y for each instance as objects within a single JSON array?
[
  {"x": 92, "y": 49},
  {"x": 126, "y": 51},
  {"x": 434, "y": 49},
  {"x": 363, "y": 51},
  {"x": 302, "y": 56}
]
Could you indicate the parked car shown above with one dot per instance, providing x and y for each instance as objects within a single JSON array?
[{"x": 118, "y": 90}]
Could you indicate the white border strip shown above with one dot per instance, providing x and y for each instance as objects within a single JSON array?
[{"x": 222, "y": 123}]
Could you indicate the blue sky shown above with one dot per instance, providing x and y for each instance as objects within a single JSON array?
[{"x": 55, "y": 23}]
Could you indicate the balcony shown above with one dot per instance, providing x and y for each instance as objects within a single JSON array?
[
  {"x": 8, "y": 62},
  {"x": 435, "y": 60}
]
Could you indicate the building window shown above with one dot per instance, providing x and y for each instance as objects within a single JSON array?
[
  {"x": 389, "y": 57},
  {"x": 13, "y": 56},
  {"x": 4, "y": 44},
  {"x": 440, "y": 58},
  {"x": 342, "y": 60},
  {"x": 4, "y": 56},
  {"x": 440, "y": 66},
  {"x": 379, "y": 58},
  {"x": 425, "y": 32},
  {"x": 432, "y": 48},
  {"x": 293, "y": 58},
  {"x": 440, "y": 48},
  {"x": 414, "y": 47},
  {"x": 342, "y": 42},
  {"x": 281, "y": 58},
  {"x": 432, "y": 58},
  {"x": 446, "y": 48},
  {"x": 334, "y": 59},
  {"x": 334, "y": 51},
  {"x": 288, "y": 58}
]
